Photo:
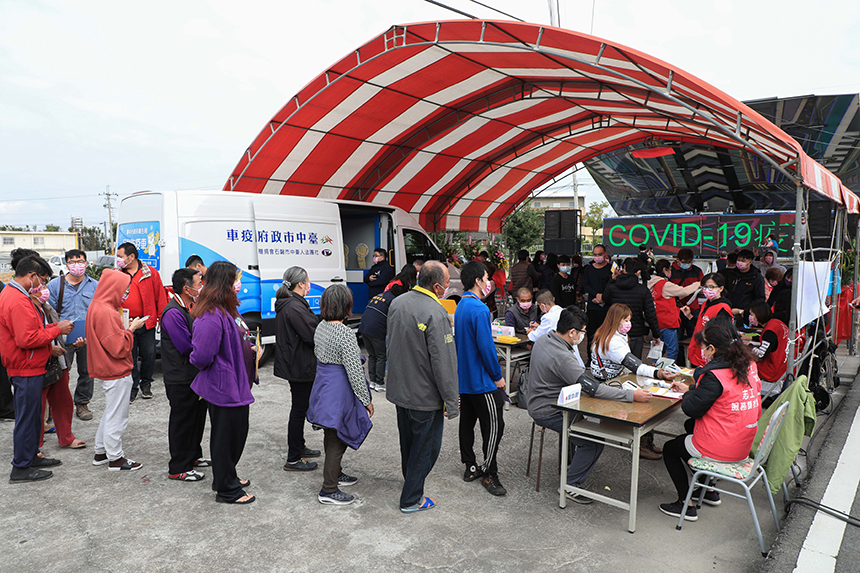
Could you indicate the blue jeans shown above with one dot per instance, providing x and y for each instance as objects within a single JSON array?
[
  {"x": 585, "y": 454},
  {"x": 669, "y": 336},
  {"x": 28, "y": 419},
  {"x": 420, "y": 442},
  {"x": 144, "y": 346}
]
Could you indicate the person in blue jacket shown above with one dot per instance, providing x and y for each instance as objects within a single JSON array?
[{"x": 482, "y": 394}]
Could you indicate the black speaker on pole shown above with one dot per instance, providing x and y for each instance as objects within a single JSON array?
[
  {"x": 551, "y": 224},
  {"x": 562, "y": 231},
  {"x": 821, "y": 225}
]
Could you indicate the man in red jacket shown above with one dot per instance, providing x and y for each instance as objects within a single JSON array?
[
  {"x": 146, "y": 298},
  {"x": 26, "y": 341},
  {"x": 685, "y": 273}
]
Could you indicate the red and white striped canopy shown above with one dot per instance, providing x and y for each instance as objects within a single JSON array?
[{"x": 458, "y": 121}]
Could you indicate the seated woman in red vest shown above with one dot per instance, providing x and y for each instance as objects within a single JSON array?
[
  {"x": 715, "y": 305},
  {"x": 772, "y": 354},
  {"x": 724, "y": 407}
]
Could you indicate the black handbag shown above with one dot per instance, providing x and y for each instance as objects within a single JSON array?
[{"x": 53, "y": 371}]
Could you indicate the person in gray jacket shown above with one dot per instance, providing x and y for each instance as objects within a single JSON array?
[
  {"x": 422, "y": 379},
  {"x": 554, "y": 366}
]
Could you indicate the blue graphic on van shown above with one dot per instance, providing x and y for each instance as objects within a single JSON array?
[
  {"x": 249, "y": 295},
  {"x": 145, "y": 236},
  {"x": 270, "y": 290}
]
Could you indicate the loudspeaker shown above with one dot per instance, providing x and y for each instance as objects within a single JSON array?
[
  {"x": 569, "y": 224},
  {"x": 562, "y": 246},
  {"x": 552, "y": 224},
  {"x": 819, "y": 221}
]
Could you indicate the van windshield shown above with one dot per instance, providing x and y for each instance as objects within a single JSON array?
[{"x": 418, "y": 246}]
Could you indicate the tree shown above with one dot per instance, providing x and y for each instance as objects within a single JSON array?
[
  {"x": 10, "y": 228},
  {"x": 52, "y": 228},
  {"x": 594, "y": 216},
  {"x": 523, "y": 229},
  {"x": 92, "y": 239}
]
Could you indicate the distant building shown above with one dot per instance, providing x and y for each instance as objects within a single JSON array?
[
  {"x": 557, "y": 202},
  {"x": 45, "y": 242}
]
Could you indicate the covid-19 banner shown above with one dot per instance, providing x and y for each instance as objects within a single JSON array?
[{"x": 706, "y": 235}]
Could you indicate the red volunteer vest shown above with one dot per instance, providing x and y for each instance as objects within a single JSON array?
[
  {"x": 773, "y": 367},
  {"x": 694, "y": 354},
  {"x": 668, "y": 315},
  {"x": 727, "y": 430}
]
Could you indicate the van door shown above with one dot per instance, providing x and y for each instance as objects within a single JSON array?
[{"x": 291, "y": 234}]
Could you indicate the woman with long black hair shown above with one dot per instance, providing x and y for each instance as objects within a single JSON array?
[
  {"x": 222, "y": 351},
  {"x": 723, "y": 406}
]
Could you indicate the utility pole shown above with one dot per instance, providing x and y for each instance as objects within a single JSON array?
[
  {"x": 108, "y": 196},
  {"x": 554, "y": 16}
]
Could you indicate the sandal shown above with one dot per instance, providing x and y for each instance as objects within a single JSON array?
[
  {"x": 76, "y": 444},
  {"x": 242, "y": 482},
  {"x": 247, "y": 499}
]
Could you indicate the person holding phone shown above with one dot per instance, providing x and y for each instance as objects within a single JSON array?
[
  {"x": 109, "y": 357},
  {"x": 379, "y": 275}
]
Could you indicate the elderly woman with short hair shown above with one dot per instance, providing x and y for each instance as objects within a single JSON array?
[
  {"x": 294, "y": 360},
  {"x": 340, "y": 401}
]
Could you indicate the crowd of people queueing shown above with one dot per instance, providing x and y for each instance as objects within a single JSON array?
[{"x": 210, "y": 362}]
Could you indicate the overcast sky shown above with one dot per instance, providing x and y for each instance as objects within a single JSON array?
[{"x": 168, "y": 95}]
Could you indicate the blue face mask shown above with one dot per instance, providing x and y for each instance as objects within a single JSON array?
[
  {"x": 565, "y": 270},
  {"x": 686, "y": 266}
]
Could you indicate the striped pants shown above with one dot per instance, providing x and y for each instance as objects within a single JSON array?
[{"x": 487, "y": 409}]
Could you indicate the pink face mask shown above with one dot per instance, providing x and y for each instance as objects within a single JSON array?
[
  {"x": 237, "y": 286},
  {"x": 625, "y": 327},
  {"x": 743, "y": 266},
  {"x": 41, "y": 293},
  {"x": 526, "y": 305},
  {"x": 599, "y": 259},
  {"x": 710, "y": 293},
  {"x": 753, "y": 320},
  {"x": 487, "y": 289},
  {"x": 705, "y": 358},
  {"x": 376, "y": 260},
  {"x": 77, "y": 269}
]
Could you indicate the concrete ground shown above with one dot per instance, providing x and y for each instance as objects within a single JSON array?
[{"x": 86, "y": 518}]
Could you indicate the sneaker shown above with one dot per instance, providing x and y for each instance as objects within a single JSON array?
[
  {"x": 492, "y": 485},
  {"x": 300, "y": 466},
  {"x": 27, "y": 475},
  {"x": 336, "y": 497},
  {"x": 372, "y": 385},
  {"x": 202, "y": 463},
  {"x": 82, "y": 412},
  {"x": 472, "y": 473},
  {"x": 125, "y": 465},
  {"x": 674, "y": 510},
  {"x": 380, "y": 388},
  {"x": 187, "y": 476},
  {"x": 711, "y": 497},
  {"x": 577, "y": 497},
  {"x": 309, "y": 453},
  {"x": 146, "y": 392},
  {"x": 100, "y": 459},
  {"x": 133, "y": 398},
  {"x": 345, "y": 480}
]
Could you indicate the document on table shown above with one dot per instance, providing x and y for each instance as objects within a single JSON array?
[{"x": 665, "y": 393}]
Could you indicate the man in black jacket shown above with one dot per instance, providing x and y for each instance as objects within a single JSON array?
[
  {"x": 379, "y": 275},
  {"x": 626, "y": 289},
  {"x": 745, "y": 285},
  {"x": 595, "y": 275}
]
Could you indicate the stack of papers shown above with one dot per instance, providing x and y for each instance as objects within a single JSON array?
[{"x": 665, "y": 393}]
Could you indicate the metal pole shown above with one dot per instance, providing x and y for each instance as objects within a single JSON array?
[
  {"x": 852, "y": 342},
  {"x": 837, "y": 244},
  {"x": 795, "y": 282}
]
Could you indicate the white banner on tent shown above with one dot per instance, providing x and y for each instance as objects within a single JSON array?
[{"x": 813, "y": 284}]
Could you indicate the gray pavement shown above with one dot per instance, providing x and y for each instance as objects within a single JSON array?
[{"x": 88, "y": 519}]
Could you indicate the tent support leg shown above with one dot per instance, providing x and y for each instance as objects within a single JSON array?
[
  {"x": 792, "y": 322},
  {"x": 854, "y": 314}
]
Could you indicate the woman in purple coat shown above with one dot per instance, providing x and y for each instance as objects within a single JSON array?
[
  {"x": 222, "y": 351},
  {"x": 340, "y": 401}
]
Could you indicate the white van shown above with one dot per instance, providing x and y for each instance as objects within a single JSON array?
[{"x": 264, "y": 235}]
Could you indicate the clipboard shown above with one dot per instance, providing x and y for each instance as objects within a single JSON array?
[{"x": 79, "y": 330}]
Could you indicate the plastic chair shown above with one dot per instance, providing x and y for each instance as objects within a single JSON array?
[
  {"x": 746, "y": 473},
  {"x": 450, "y": 305},
  {"x": 542, "y": 432}
]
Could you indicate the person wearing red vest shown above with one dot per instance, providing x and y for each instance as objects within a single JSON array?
[
  {"x": 724, "y": 405},
  {"x": 772, "y": 354},
  {"x": 684, "y": 272},
  {"x": 715, "y": 305},
  {"x": 664, "y": 291}
]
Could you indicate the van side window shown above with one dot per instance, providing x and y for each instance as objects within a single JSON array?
[{"x": 418, "y": 246}]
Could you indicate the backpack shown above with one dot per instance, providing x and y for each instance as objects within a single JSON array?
[{"x": 522, "y": 388}]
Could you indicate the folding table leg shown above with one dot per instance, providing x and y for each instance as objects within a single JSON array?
[
  {"x": 634, "y": 479},
  {"x": 565, "y": 442}
]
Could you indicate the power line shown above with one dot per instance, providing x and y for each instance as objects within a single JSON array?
[
  {"x": 445, "y": 6},
  {"x": 496, "y": 10}
]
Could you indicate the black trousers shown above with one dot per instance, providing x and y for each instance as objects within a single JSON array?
[
  {"x": 486, "y": 409},
  {"x": 184, "y": 427},
  {"x": 636, "y": 344},
  {"x": 675, "y": 457},
  {"x": 7, "y": 401},
  {"x": 596, "y": 316},
  {"x": 226, "y": 443},
  {"x": 334, "y": 450},
  {"x": 376, "y": 358},
  {"x": 301, "y": 397}
]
